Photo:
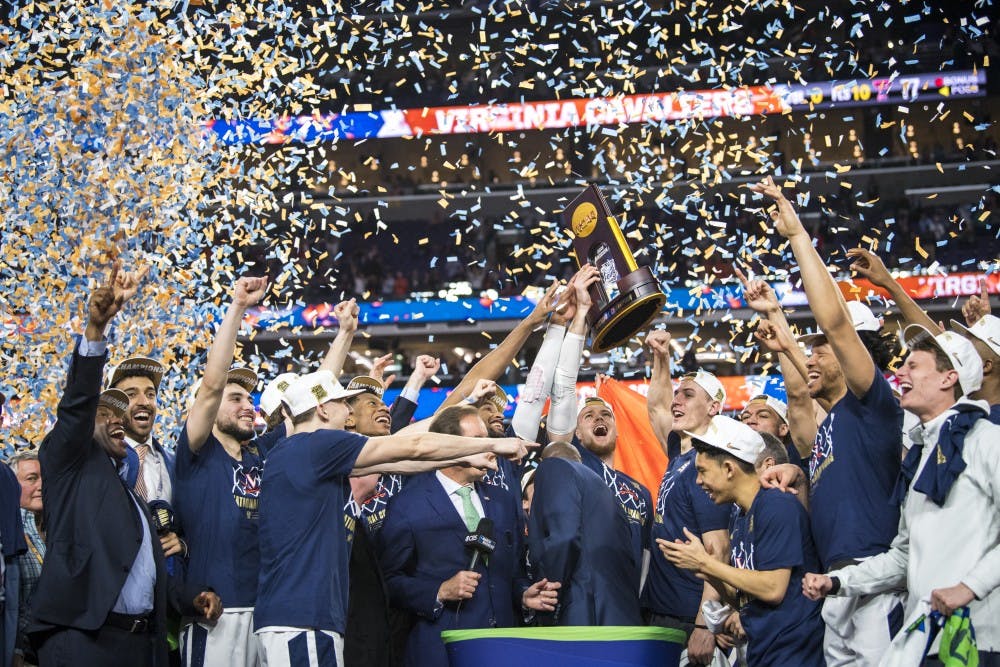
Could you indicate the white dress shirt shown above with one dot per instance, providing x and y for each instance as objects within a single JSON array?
[
  {"x": 451, "y": 486},
  {"x": 154, "y": 473}
]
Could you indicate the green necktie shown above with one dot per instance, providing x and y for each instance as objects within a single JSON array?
[{"x": 468, "y": 509}]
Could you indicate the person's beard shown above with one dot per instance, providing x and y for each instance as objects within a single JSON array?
[{"x": 236, "y": 431}]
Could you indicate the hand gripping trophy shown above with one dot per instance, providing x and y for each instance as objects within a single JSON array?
[{"x": 628, "y": 296}]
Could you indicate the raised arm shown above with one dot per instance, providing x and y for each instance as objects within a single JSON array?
[
  {"x": 402, "y": 409},
  {"x": 661, "y": 386},
  {"x": 870, "y": 265},
  {"x": 201, "y": 416},
  {"x": 493, "y": 364},
  {"x": 825, "y": 299},
  {"x": 562, "y": 411},
  {"x": 802, "y": 423},
  {"x": 538, "y": 385},
  {"x": 405, "y": 446},
  {"x": 346, "y": 313},
  {"x": 486, "y": 461},
  {"x": 424, "y": 368},
  {"x": 77, "y": 409}
]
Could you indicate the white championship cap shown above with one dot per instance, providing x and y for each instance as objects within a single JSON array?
[
  {"x": 987, "y": 330},
  {"x": 959, "y": 350},
  {"x": 862, "y": 318},
  {"x": 780, "y": 407},
  {"x": 314, "y": 389},
  {"x": 709, "y": 383},
  {"x": 732, "y": 437},
  {"x": 274, "y": 392}
]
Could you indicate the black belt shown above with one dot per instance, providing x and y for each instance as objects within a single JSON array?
[{"x": 131, "y": 623}]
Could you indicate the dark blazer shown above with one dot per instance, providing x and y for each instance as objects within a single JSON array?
[
  {"x": 93, "y": 530},
  {"x": 422, "y": 545},
  {"x": 367, "y": 640},
  {"x": 401, "y": 412},
  {"x": 578, "y": 535}
]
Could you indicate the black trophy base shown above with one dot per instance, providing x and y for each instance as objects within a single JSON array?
[{"x": 640, "y": 299}]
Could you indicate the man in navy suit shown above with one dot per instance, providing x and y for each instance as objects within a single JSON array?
[
  {"x": 578, "y": 535},
  {"x": 101, "y": 598},
  {"x": 427, "y": 566}
]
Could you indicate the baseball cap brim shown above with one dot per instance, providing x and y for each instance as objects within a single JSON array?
[
  {"x": 745, "y": 446},
  {"x": 366, "y": 383},
  {"x": 115, "y": 400},
  {"x": 810, "y": 340},
  {"x": 989, "y": 341},
  {"x": 593, "y": 400},
  {"x": 139, "y": 366},
  {"x": 243, "y": 377}
]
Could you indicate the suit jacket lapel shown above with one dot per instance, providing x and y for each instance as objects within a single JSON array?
[
  {"x": 441, "y": 503},
  {"x": 484, "y": 491}
]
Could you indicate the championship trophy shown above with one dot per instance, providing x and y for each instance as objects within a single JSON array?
[{"x": 628, "y": 296}]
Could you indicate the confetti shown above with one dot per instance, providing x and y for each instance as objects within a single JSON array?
[{"x": 104, "y": 106}]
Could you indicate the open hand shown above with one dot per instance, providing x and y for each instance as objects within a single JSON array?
[
  {"x": 378, "y": 370},
  {"x": 585, "y": 277},
  {"x": 545, "y": 305},
  {"x": 565, "y": 309},
  {"x": 687, "y": 554}
]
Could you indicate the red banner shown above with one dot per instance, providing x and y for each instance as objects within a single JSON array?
[
  {"x": 654, "y": 107},
  {"x": 951, "y": 285}
]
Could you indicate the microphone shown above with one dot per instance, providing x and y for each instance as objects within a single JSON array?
[
  {"x": 480, "y": 541},
  {"x": 163, "y": 522},
  {"x": 163, "y": 516}
]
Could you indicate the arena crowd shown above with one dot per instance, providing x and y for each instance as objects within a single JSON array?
[{"x": 855, "y": 523}]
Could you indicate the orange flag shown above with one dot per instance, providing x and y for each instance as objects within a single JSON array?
[{"x": 638, "y": 453}]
